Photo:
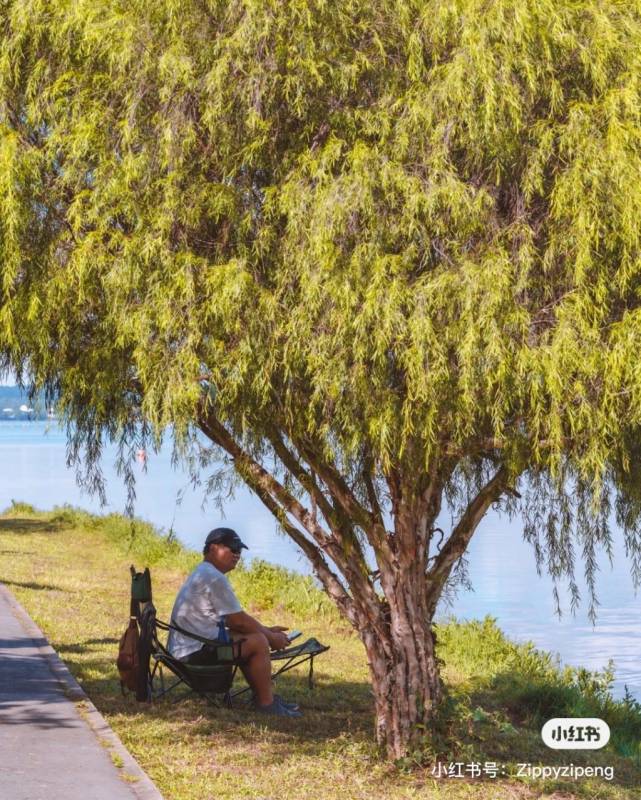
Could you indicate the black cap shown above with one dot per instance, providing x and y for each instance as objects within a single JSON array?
[{"x": 225, "y": 536}]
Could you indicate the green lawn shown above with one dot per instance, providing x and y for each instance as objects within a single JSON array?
[{"x": 70, "y": 571}]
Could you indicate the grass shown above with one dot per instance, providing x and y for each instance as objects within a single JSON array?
[{"x": 70, "y": 570}]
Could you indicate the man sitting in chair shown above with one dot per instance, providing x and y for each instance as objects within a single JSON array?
[{"x": 206, "y": 603}]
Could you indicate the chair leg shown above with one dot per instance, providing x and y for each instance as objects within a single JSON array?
[
  {"x": 310, "y": 677},
  {"x": 157, "y": 669}
]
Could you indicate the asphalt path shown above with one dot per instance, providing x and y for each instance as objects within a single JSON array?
[{"x": 54, "y": 744}]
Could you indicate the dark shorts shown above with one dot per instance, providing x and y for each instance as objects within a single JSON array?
[{"x": 209, "y": 655}]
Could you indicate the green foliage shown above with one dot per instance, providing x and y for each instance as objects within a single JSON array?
[
  {"x": 417, "y": 218},
  {"x": 400, "y": 236},
  {"x": 143, "y": 543},
  {"x": 259, "y": 585},
  {"x": 480, "y": 648},
  {"x": 265, "y": 586},
  {"x": 18, "y": 507},
  {"x": 528, "y": 684}
]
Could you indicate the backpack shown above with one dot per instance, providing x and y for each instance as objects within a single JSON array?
[{"x": 127, "y": 661}]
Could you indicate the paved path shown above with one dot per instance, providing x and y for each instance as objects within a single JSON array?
[{"x": 54, "y": 744}]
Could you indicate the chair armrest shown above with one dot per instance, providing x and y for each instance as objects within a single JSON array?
[
  {"x": 214, "y": 644},
  {"x": 311, "y": 647}
]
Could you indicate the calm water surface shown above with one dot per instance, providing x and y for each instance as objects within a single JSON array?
[{"x": 502, "y": 570}]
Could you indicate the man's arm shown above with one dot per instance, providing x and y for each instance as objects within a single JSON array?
[{"x": 241, "y": 622}]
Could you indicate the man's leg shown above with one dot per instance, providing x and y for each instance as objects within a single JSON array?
[{"x": 257, "y": 666}]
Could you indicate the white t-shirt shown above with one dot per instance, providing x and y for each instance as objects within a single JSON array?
[{"x": 204, "y": 598}]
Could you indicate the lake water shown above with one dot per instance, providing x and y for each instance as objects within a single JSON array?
[{"x": 502, "y": 569}]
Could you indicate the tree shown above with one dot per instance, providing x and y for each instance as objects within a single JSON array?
[{"x": 386, "y": 257}]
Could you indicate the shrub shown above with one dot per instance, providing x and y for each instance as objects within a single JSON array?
[
  {"x": 264, "y": 586},
  {"x": 18, "y": 507}
]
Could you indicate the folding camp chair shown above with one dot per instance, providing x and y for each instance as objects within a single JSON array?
[
  {"x": 292, "y": 657},
  {"x": 210, "y": 681}
]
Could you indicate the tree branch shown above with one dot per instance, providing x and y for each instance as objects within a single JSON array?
[
  {"x": 351, "y": 507},
  {"x": 281, "y": 502},
  {"x": 338, "y": 487},
  {"x": 305, "y": 479},
  {"x": 340, "y": 524},
  {"x": 330, "y": 582},
  {"x": 371, "y": 492},
  {"x": 255, "y": 474},
  {"x": 461, "y": 535}
]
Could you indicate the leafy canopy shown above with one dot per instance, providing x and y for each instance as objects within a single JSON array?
[{"x": 408, "y": 231}]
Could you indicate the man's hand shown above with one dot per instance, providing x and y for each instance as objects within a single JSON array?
[
  {"x": 240, "y": 622},
  {"x": 277, "y": 639}
]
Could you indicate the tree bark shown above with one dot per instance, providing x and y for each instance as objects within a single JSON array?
[
  {"x": 396, "y": 623},
  {"x": 406, "y": 685}
]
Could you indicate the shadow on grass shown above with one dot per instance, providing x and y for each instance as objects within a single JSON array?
[
  {"x": 330, "y": 709},
  {"x": 45, "y": 587},
  {"x": 85, "y": 646},
  {"x": 27, "y": 526},
  {"x": 338, "y": 716}
]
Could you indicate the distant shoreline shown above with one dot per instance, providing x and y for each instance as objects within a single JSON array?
[
  {"x": 16, "y": 406},
  {"x": 25, "y": 417}
]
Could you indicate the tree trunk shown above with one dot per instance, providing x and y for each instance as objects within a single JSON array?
[{"x": 406, "y": 684}]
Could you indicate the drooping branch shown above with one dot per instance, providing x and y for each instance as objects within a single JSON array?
[
  {"x": 253, "y": 471},
  {"x": 371, "y": 493},
  {"x": 368, "y": 521},
  {"x": 328, "y": 579},
  {"x": 304, "y": 478},
  {"x": 337, "y": 485},
  {"x": 281, "y": 502},
  {"x": 340, "y": 524},
  {"x": 461, "y": 536}
]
